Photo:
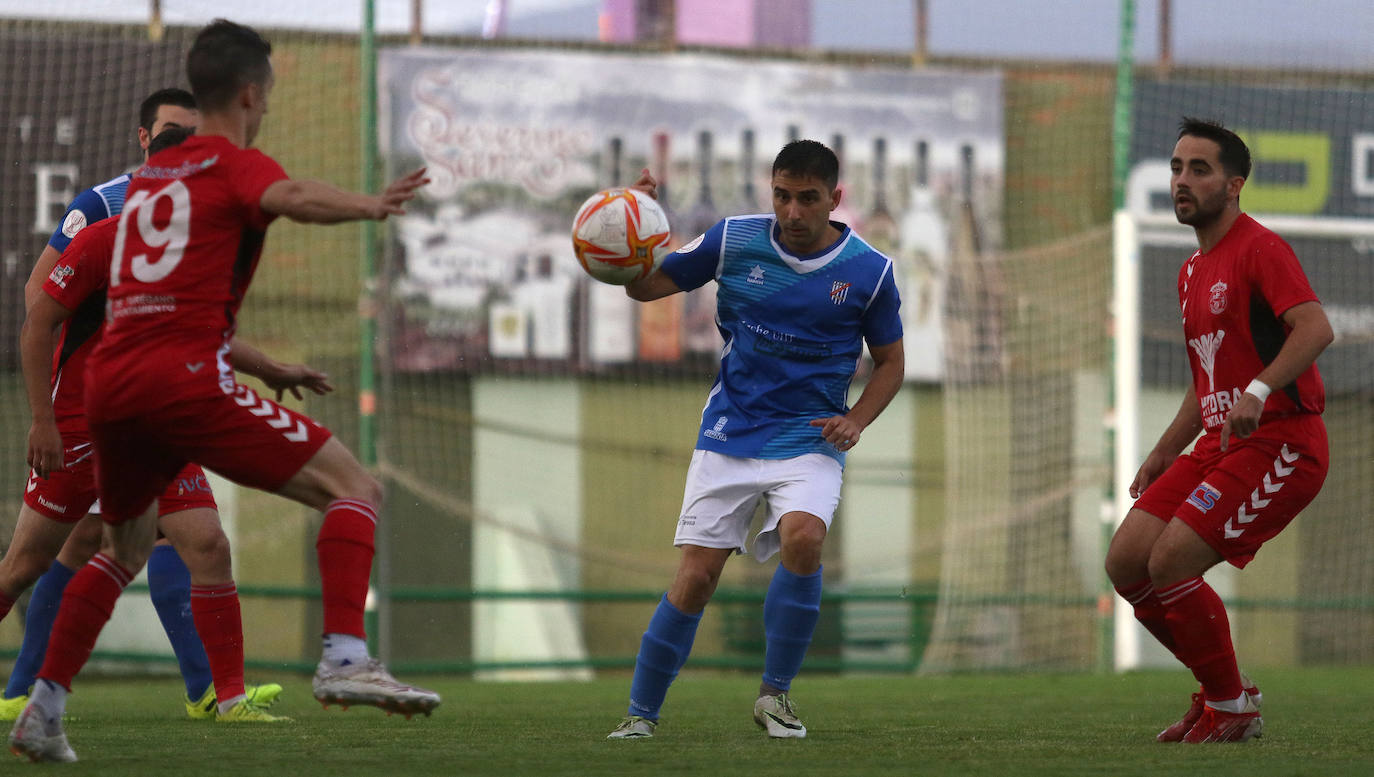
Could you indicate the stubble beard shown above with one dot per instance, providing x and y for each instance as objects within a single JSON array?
[{"x": 1204, "y": 213}]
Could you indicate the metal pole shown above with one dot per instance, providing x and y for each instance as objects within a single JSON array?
[
  {"x": 922, "y": 32},
  {"x": 155, "y": 28},
  {"x": 379, "y": 634},
  {"x": 417, "y": 24},
  {"x": 1121, "y": 149},
  {"x": 1166, "y": 44}
]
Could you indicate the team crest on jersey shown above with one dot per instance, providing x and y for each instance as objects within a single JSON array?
[
  {"x": 839, "y": 291},
  {"x": 1217, "y": 300},
  {"x": 755, "y": 275},
  {"x": 60, "y": 274},
  {"x": 73, "y": 223}
]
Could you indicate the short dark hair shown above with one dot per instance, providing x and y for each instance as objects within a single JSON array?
[
  {"x": 1235, "y": 155},
  {"x": 809, "y": 159},
  {"x": 172, "y": 136},
  {"x": 224, "y": 58},
  {"x": 147, "y": 110}
]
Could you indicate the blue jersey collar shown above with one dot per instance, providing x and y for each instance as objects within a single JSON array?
[{"x": 814, "y": 261}]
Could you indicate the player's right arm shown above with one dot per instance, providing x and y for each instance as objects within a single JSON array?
[
  {"x": 36, "y": 344},
  {"x": 33, "y": 287},
  {"x": 1185, "y": 427},
  {"x": 315, "y": 202},
  {"x": 87, "y": 208},
  {"x": 685, "y": 269}
]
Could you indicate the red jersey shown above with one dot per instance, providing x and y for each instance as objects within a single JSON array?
[
  {"x": 77, "y": 282},
  {"x": 187, "y": 245},
  {"x": 1232, "y": 298}
]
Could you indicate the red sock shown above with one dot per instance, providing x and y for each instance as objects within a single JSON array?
[
  {"x": 1202, "y": 632},
  {"x": 6, "y": 604},
  {"x": 219, "y": 623},
  {"x": 1149, "y": 611},
  {"x": 344, "y": 548},
  {"x": 86, "y": 607}
]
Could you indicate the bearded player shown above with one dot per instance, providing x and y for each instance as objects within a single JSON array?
[{"x": 1254, "y": 329}]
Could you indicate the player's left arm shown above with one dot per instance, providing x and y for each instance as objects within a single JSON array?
[
  {"x": 889, "y": 369},
  {"x": 1309, "y": 334},
  {"x": 278, "y": 376},
  {"x": 316, "y": 202}
]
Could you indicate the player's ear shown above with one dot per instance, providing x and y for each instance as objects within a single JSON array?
[
  {"x": 1233, "y": 186},
  {"x": 250, "y": 94},
  {"x": 835, "y": 197},
  {"x": 144, "y": 138}
]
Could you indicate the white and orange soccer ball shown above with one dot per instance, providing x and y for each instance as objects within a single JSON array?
[{"x": 620, "y": 235}]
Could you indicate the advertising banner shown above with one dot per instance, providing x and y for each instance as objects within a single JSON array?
[
  {"x": 1313, "y": 171},
  {"x": 482, "y": 276}
]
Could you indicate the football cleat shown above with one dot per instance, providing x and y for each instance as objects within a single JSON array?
[
  {"x": 1218, "y": 726},
  {"x": 248, "y": 712},
  {"x": 10, "y": 708},
  {"x": 777, "y": 716},
  {"x": 31, "y": 738},
  {"x": 634, "y": 727},
  {"x": 371, "y": 684},
  {"x": 207, "y": 708},
  {"x": 1179, "y": 730}
]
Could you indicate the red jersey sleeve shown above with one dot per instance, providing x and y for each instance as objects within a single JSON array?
[
  {"x": 84, "y": 267},
  {"x": 254, "y": 171},
  {"x": 1278, "y": 275}
]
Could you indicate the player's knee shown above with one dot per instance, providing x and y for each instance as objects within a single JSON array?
[
  {"x": 1166, "y": 568},
  {"x": 1122, "y": 568},
  {"x": 19, "y": 571},
  {"x": 209, "y": 553},
  {"x": 693, "y": 588},
  {"x": 80, "y": 547},
  {"x": 363, "y": 487},
  {"x": 801, "y": 545}
]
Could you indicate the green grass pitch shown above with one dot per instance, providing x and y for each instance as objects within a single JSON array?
[{"x": 1318, "y": 722}]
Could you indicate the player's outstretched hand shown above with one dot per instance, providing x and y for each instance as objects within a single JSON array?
[
  {"x": 294, "y": 377},
  {"x": 646, "y": 183},
  {"x": 401, "y": 191},
  {"x": 45, "y": 449},
  {"x": 1243, "y": 419},
  {"x": 839, "y": 431}
]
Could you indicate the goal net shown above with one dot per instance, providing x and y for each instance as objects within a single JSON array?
[{"x": 1305, "y": 598}]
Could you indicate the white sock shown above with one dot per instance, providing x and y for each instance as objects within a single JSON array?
[
  {"x": 344, "y": 650},
  {"x": 51, "y": 699},
  {"x": 1234, "y": 706},
  {"x": 225, "y": 706}
]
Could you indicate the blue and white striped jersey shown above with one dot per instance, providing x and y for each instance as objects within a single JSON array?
[{"x": 793, "y": 327}]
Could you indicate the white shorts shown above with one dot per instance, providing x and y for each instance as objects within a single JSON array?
[{"x": 722, "y": 492}]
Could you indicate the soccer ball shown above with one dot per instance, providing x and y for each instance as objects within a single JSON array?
[{"x": 620, "y": 235}]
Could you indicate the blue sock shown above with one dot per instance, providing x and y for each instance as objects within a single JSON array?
[
  {"x": 169, "y": 584},
  {"x": 790, "y": 612},
  {"x": 43, "y": 605},
  {"x": 662, "y": 653}
]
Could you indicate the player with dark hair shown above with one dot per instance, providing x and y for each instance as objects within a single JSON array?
[
  {"x": 798, "y": 295},
  {"x": 1254, "y": 329},
  {"x": 74, "y": 302},
  {"x": 54, "y": 534},
  {"x": 161, "y": 391}
]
